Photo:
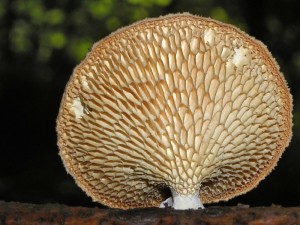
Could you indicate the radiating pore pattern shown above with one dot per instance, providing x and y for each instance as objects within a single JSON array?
[{"x": 178, "y": 102}]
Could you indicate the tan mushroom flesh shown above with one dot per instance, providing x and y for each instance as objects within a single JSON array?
[{"x": 178, "y": 104}]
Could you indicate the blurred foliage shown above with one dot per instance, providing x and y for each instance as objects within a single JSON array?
[
  {"x": 46, "y": 26},
  {"x": 41, "y": 41},
  {"x": 71, "y": 27}
]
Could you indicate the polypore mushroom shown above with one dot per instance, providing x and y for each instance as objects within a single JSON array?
[{"x": 179, "y": 105}]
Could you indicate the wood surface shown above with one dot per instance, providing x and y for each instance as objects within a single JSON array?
[{"x": 24, "y": 213}]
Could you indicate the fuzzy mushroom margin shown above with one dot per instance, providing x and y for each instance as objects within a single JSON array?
[{"x": 178, "y": 106}]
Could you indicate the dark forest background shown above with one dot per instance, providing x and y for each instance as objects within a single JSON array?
[{"x": 41, "y": 41}]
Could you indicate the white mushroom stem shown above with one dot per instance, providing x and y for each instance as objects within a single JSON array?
[{"x": 182, "y": 202}]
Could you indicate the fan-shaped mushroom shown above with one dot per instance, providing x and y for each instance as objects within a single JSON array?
[{"x": 178, "y": 104}]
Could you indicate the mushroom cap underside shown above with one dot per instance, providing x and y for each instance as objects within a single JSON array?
[{"x": 179, "y": 102}]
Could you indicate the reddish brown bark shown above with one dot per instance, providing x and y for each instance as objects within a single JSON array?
[{"x": 22, "y": 213}]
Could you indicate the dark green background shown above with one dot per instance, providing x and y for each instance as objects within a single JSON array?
[{"x": 42, "y": 41}]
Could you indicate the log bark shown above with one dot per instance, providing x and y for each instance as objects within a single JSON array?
[{"x": 28, "y": 214}]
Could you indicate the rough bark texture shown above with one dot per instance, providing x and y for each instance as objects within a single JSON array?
[{"x": 22, "y": 213}]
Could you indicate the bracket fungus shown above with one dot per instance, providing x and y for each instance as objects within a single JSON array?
[{"x": 180, "y": 106}]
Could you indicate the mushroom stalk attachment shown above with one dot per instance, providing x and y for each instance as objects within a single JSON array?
[{"x": 183, "y": 202}]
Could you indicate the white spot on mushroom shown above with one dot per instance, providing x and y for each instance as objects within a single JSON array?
[
  {"x": 127, "y": 170},
  {"x": 241, "y": 57},
  {"x": 209, "y": 36},
  {"x": 85, "y": 84},
  {"x": 77, "y": 108}
]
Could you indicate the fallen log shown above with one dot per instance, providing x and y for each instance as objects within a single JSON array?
[{"x": 28, "y": 214}]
